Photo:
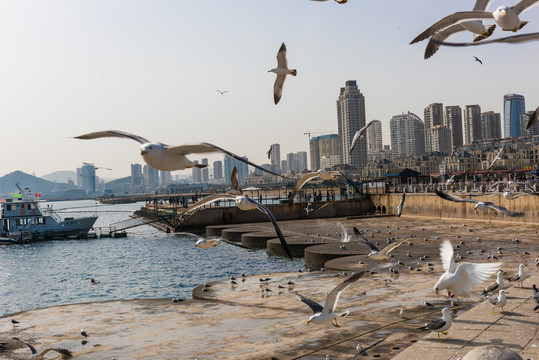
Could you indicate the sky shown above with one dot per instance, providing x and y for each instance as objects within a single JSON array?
[{"x": 152, "y": 68}]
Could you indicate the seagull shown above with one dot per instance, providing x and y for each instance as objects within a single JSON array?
[
  {"x": 451, "y": 180},
  {"x": 14, "y": 322},
  {"x": 83, "y": 333},
  {"x": 535, "y": 296},
  {"x": 480, "y": 31},
  {"x": 281, "y": 70},
  {"x": 515, "y": 39},
  {"x": 498, "y": 301},
  {"x": 309, "y": 209},
  {"x": 204, "y": 243},
  {"x": 498, "y": 156},
  {"x": 480, "y": 205},
  {"x": 508, "y": 195},
  {"x": 459, "y": 280},
  {"x": 323, "y": 175},
  {"x": 506, "y": 17},
  {"x": 93, "y": 281},
  {"x": 521, "y": 276},
  {"x": 401, "y": 204},
  {"x": 478, "y": 60},
  {"x": 495, "y": 285},
  {"x": 41, "y": 355},
  {"x": 96, "y": 167},
  {"x": 323, "y": 314},
  {"x": 376, "y": 253},
  {"x": 221, "y": 92},
  {"x": 358, "y": 135},
  {"x": 169, "y": 158},
  {"x": 440, "y": 325},
  {"x": 363, "y": 351},
  {"x": 244, "y": 203}
]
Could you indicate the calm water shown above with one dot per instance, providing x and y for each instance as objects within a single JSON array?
[{"x": 146, "y": 264}]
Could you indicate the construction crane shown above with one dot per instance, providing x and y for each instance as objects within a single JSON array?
[{"x": 312, "y": 132}]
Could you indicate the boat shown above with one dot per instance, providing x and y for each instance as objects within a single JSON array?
[{"x": 23, "y": 215}]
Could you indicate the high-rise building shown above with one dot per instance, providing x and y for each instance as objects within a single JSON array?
[
  {"x": 243, "y": 169},
  {"x": 166, "y": 177},
  {"x": 284, "y": 166},
  {"x": 472, "y": 123},
  {"x": 351, "y": 118},
  {"x": 374, "y": 137},
  {"x": 327, "y": 162},
  {"x": 79, "y": 177},
  {"x": 217, "y": 170},
  {"x": 275, "y": 157},
  {"x": 534, "y": 130},
  {"x": 513, "y": 107},
  {"x": 297, "y": 161},
  {"x": 136, "y": 174},
  {"x": 205, "y": 171},
  {"x": 87, "y": 174},
  {"x": 441, "y": 139},
  {"x": 403, "y": 129},
  {"x": 491, "y": 127},
  {"x": 320, "y": 146},
  {"x": 196, "y": 173},
  {"x": 434, "y": 116},
  {"x": 453, "y": 121},
  {"x": 151, "y": 177}
]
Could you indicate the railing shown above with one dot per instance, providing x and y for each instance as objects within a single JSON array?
[{"x": 48, "y": 211}]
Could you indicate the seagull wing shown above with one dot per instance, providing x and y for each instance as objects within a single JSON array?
[
  {"x": 60, "y": 351},
  {"x": 234, "y": 183},
  {"x": 434, "y": 325},
  {"x": 390, "y": 248},
  {"x": 112, "y": 133},
  {"x": 481, "y": 5},
  {"x": 234, "y": 243},
  {"x": 357, "y": 136},
  {"x": 244, "y": 160},
  {"x": 493, "y": 299},
  {"x": 275, "y": 225},
  {"x": 455, "y": 198},
  {"x": 281, "y": 57},
  {"x": 191, "y": 149},
  {"x": 32, "y": 349},
  {"x": 503, "y": 211},
  {"x": 333, "y": 296},
  {"x": 515, "y": 39},
  {"x": 446, "y": 254},
  {"x": 366, "y": 241},
  {"x": 533, "y": 118},
  {"x": 278, "y": 88},
  {"x": 188, "y": 234},
  {"x": 302, "y": 182},
  {"x": 349, "y": 181},
  {"x": 524, "y": 5},
  {"x": 315, "y": 307},
  {"x": 207, "y": 200},
  {"x": 401, "y": 204},
  {"x": 450, "y": 20},
  {"x": 469, "y": 275}
]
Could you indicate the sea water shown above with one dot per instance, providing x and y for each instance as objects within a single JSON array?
[{"x": 147, "y": 263}]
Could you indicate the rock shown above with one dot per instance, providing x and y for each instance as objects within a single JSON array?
[{"x": 492, "y": 352}]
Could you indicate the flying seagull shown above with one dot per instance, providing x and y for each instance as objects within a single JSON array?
[
  {"x": 244, "y": 203},
  {"x": 498, "y": 156},
  {"x": 96, "y": 167},
  {"x": 376, "y": 253},
  {"x": 459, "y": 280},
  {"x": 281, "y": 70},
  {"x": 204, "y": 243},
  {"x": 309, "y": 209},
  {"x": 480, "y": 31},
  {"x": 498, "y": 301},
  {"x": 521, "y": 276},
  {"x": 221, "y": 92},
  {"x": 169, "y": 158},
  {"x": 401, "y": 204},
  {"x": 358, "y": 135},
  {"x": 495, "y": 285},
  {"x": 478, "y": 60},
  {"x": 326, "y": 313},
  {"x": 480, "y": 205},
  {"x": 323, "y": 175},
  {"x": 506, "y": 17},
  {"x": 440, "y": 325},
  {"x": 41, "y": 355}
]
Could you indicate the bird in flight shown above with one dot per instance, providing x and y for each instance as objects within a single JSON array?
[
  {"x": 481, "y": 205},
  {"x": 376, "y": 253},
  {"x": 221, "y": 92},
  {"x": 281, "y": 70},
  {"x": 96, "y": 167},
  {"x": 41, "y": 355},
  {"x": 478, "y": 60},
  {"x": 358, "y": 135},
  {"x": 203, "y": 243}
]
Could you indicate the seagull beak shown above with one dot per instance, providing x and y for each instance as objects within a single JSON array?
[
  {"x": 503, "y": 12},
  {"x": 368, "y": 256},
  {"x": 308, "y": 321},
  {"x": 436, "y": 291},
  {"x": 143, "y": 152}
]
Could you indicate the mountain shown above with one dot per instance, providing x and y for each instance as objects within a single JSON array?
[
  {"x": 61, "y": 176},
  {"x": 7, "y": 183}
]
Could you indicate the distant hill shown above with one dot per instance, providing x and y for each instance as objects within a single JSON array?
[
  {"x": 120, "y": 181},
  {"x": 61, "y": 176},
  {"x": 7, "y": 183}
]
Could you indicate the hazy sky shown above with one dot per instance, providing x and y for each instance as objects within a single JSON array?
[{"x": 152, "y": 68}]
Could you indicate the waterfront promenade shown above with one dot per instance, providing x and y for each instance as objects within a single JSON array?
[{"x": 242, "y": 322}]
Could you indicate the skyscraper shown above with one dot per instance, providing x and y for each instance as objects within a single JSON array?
[
  {"x": 217, "y": 170},
  {"x": 243, "y": 170},
  {"x": 434, "y": 116},
  {"x": 275, "y": 157},
  {"x": 513, "y": 106},
  {"x": 441, "y": 139},
  {"x": 205, "y": 171},
  {"x": 320, "y": 146},
  {"x": 87, "y": 173},
  {"x": 402, "y": 130},
  {"x": 196, "y": 173},
  {"x": 151, "y": 177},
  {"x": 491, "y": 127},
  {"x": 166, "y": 177},
  {"x": 351, "y": 118},
  {"x": 472, "y": 123},
  {"x": 136, "y": 174},
  {"x": 453, "y": 121},
  {"x": 374, "y": 137}
]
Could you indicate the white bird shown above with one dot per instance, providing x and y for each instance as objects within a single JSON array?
[
  {"x": 326, "y": 313},
  {"x": 514, "y": 39},
  {"x": 458, "y": 281},
  {"x": 281, "y": 70},
  {"x": 498, "y": 301},
  {"x": 244, "y": 203},
  {"x": 401, "y": 204},
  {"x": 440, "y": 325},
  {"x": 498, "y": 156},
  {"x": 96, "y": 167},
  {"x": 205, "y": 244},
  {"x": 309, "y": 209},
  {"x": 508, "y": 195},
  {"x": 451, "y": 180},
  {"x": 168, "y": 158},
  {"x": 521, "y": 276},
  {"x": 497, "y": 285},
  {"x": 506, "y": 17},
  {"x": 475, "y": 26},
  {"x": 480, "y": 205},
  {"x": 323, "y": 175},
  {"x": 358, "y": 135},
  {"x": 41, "y": 355},
  {"x": 376, "y": 253}
]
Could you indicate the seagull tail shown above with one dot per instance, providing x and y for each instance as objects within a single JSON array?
[{"x": 293, "y": 72}]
